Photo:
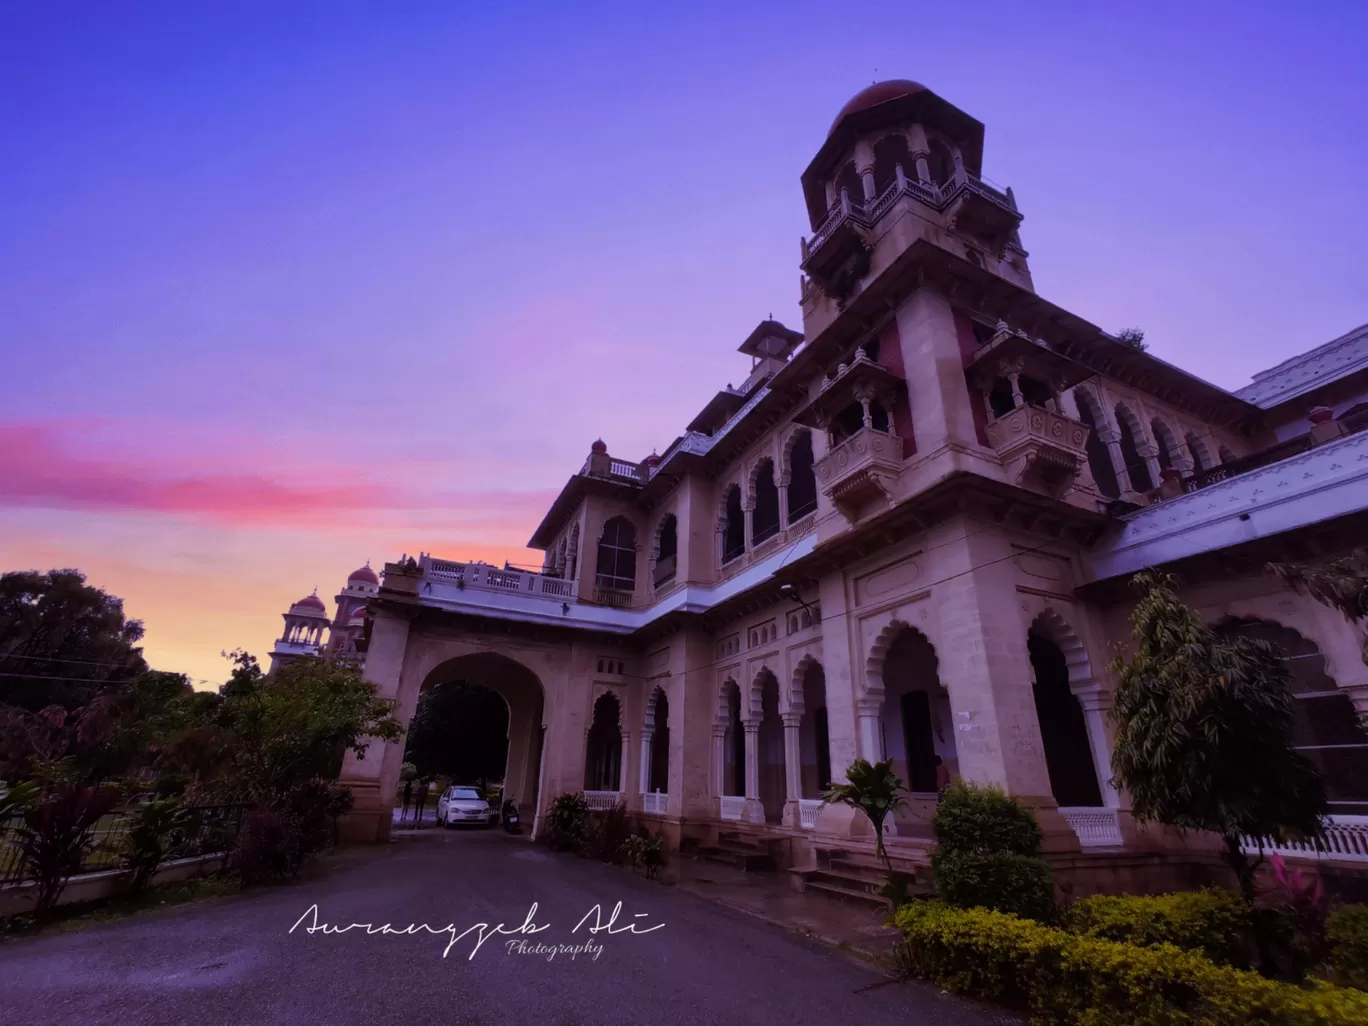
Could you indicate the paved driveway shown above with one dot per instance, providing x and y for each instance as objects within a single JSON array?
[{"x": 236, "y": 961}]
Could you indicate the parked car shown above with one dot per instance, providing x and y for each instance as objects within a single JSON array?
[{"x": 465, "y": 805}]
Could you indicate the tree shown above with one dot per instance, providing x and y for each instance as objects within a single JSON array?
[
  {"x": 1204, "y": 732},
  {"x": 459, "y": 730},
  {"x": 62, "y": 641},
  {"x": 1133, "y": 337},
  {"x": 873, "y": 789}
]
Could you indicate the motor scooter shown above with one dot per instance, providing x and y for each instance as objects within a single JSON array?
[{"x": 510, "y": 818}]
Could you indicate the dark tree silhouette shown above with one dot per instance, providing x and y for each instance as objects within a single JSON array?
[{"x": 459, "y": 730}]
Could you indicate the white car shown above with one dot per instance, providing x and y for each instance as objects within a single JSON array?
[{"x": 464, "y": 805}]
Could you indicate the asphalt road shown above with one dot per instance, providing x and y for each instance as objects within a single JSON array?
[{"x": 236, "y": 960}]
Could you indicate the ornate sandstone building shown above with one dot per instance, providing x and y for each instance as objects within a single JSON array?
[{"x": 907, "y": 534}]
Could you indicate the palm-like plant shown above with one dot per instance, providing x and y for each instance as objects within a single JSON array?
[{"x": 875, "y": 790}]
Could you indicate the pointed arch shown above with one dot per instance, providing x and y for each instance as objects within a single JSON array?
[
  {"x": 1053, "y": 626},
  {"x": 1201, "y": 455},
  {"x": 890, "y": 153},
  {"x": 731, "y": 523},
  {"x": 1099, "y": 452},
  {"x": 765, "y": 497},
  {"x": 800, "y": 476},
  {"x": 1171, "y": 456},
  {"x": 795, "y": 690},
  {"x": 665, "y": 550},
  {"x": 572, "y": 557},
  {"x": 1133, "y": 442}
]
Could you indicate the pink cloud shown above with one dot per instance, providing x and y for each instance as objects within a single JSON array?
[{"x": 50, "y": 465}]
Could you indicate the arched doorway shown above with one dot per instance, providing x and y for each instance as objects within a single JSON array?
[
  {"x": 915, "y": 724},
  {"x": 770, "y": 750},
  {"x": 802, "y": 486},
  {"x": 521, "y": 693},
  {"x": 658, "y": 744},
  {"x": 1063, "y": 730},
  {"x": 733, "y": 762},
  {"x": 1325, "y": 728},
  {"x": 1132, "y": 438},
  {"x": 603, "y": 747},
  {"x": 1099, "y": 454},
  {"x": 814, "y": 743}
]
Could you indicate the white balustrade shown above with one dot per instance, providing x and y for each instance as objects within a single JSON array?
[
  {"x": 808, "y": 811},
  {"x": 602, "y": 801},
  {"x": 481, "y": 576},
  {"x": 654, "y": 804},
  {"x": 623, "y": 469},
  {"x": 732, "y": 806},
  {"x": 1346, "y": 840},
  {"x": 1095, "y": 827}
]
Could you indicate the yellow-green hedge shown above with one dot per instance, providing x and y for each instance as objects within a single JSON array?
[
  {"x": 1065, "y": 978},
  {"x": 1210, "y": 921},
  {"x": 1348, "y": 933}
]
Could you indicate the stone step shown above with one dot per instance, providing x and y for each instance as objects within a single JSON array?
[
  {"x": 849, "y": 895},
  {"x": 744, "y": 859}
]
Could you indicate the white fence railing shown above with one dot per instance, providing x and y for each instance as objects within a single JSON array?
[
  {"x": 602, "y": 801},
  {"x": 1095, "y": 827},
  {"x": 1346, "y": 839},
  {"x": 731, "y": 806},
  {"x": 484, "y": 577},
  {"x": 654, "y": 804},
  {"x": 808, "y": 811}
]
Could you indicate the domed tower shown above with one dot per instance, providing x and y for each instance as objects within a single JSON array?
[
  {"x": 305, "y": 623},
  {"x": 901, "y": 165},
  {"x": 346, "y": 639}
]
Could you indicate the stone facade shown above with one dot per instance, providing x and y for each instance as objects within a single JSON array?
[{"x": 905, "y": 535}]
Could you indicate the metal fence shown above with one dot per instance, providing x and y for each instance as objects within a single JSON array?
[{"x": 207, "y": 830}]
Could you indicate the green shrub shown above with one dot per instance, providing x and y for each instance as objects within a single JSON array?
[
  {"x": 604, "y": 835},
  {"x": 1061, "y": 977},
  {"x": 984, "y": 820},
  {"x": 1213, "y": 921},
  {"x": 1347, "y": 930},
  {"x": 645, "y": 851},
  {"x": 567, "y": 821},
  {"x": 1017, "y": 884},
  {"x": 986, "y": 853}
]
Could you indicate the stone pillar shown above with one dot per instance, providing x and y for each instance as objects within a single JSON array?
[
  {"x": 749, "y": 511},
  {"x": 1014, "y": 379},
  {"x": 938, "y": 394},
  {"x": 783, "y": 500},
  {"x": 719, "y": 766},
  {"x": 830, "y": 189},
  {"x": 868, "y": 709},
  {"x": 1068, "y": 403},
  {"x": 793, "y": 769},
  {"x": 1150, "y": 455},
  {"x": 624, "y": 777},
  {"x": 755, "y": 812},
  {"x": 844, "y": 672},
  {"x": 373, "y": 779},
  {"x": 645, "y": 775},
  {"x": 920, "y": 161},
  {"x": 867, "y": 180},
  {"x": 985, "y": 667},
  {"x": 1118, "y": 459},
  {"x": 1096, "y": 705}
]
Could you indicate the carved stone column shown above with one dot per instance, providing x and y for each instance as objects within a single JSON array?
[
  {"x": 783, "y": 499},
  {"x": 867, "y": 180},
  {"x": 867, "y": 711},
  {"x": 755, "y": 811},
  {"x": 1118, "y": 458},
  {"x": 625, "y": 756},
  {"x": 645, "y": 775},
  {"x": 793, "y": 769},
  {"x": 749, "y": 511},
  {"x": 1096, "y": 705},
  {"x": 719, "y": 766}
]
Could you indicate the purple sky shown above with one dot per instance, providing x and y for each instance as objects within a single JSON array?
[{"x": 288, "y": 286}]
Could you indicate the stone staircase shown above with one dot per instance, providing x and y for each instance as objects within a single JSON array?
[
  {"x": 855, "y": 878},
  {"x": 733, "y": 848}
]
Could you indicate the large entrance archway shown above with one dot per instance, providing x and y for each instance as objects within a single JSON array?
[
  {"x": 523, "y": 695},
  {"x": 916, "y": 727}
]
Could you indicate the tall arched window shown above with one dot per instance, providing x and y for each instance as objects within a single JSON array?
[
  {"x": 617, "y": 555},
  {"x": 1099, "y": 455},
  {"x": 667, "y": 551},
  {"x": 733, "y": 525},
  {"x": 802, "y": 488},
  {"x": 765, "y": 519},
  {"x": 940, "y": 162},
  {"x": 890, "y": 152},
  {"x": 1326, "y": 728},
  {"x": 603, "y": 754},
  {"x": 658, "y": 773},
  {"x": 1063, "y": 732},
  {"x": 1130, "y": 450}
]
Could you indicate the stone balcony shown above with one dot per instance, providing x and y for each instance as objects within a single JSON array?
[
  {"x": 860, "y": 471},
  {"x": 1040, "y": 449},
  {"x": 484, "y": 577}
]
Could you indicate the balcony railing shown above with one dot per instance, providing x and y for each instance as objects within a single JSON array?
[
  {"x": 1346, "y": 840},
  {"x": 484, "y": 577},
  {"x": 602, "y": 801},
  {"x": 664, "y": 571},
  {"x": 808, "y": 811},
  {"x": 731, "y": 806},
  {"x": 859, "y": 468},
  {"x": 654, "y": 803},
  {"x": 1253, "y": 461},
  {"x": 1095, "y": 827}
]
